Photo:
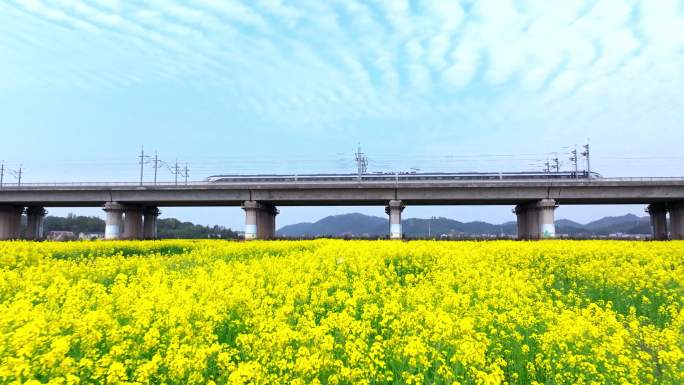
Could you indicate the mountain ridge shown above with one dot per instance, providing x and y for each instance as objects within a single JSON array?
[{"x": 361, "y": 225}]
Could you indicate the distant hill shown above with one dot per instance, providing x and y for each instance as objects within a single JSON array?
[
  {"x": 617, "y": 221},
  {"x": 360, "y": 225},
  {"x": 338, "y": 226}
]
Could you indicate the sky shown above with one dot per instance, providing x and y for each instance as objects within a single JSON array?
[{"x": 274, "y": 86}]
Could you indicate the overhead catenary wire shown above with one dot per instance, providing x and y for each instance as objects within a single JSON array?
[
  {"x": 204, "y": 166},
  {"x": 16, "y": 173}
]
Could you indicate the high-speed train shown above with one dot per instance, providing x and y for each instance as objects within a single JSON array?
[{"x": 402, "y": 177}]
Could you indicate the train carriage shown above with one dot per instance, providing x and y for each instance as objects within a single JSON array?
[{"x": 400, "y": 177}]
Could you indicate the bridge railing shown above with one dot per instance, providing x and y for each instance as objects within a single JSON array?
[
  {"x": 102, "y": 184},
  {"x": 147, "y": 185}
]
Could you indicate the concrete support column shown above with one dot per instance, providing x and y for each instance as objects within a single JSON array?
[
  {"x": 133, "y": 222},
  {"x": 521, "y": 215},
  {"x": 547, "y": 221},
  {"x": 532, "y": 221},
  {"x": 10, "y": 221},
  {"x": 35, "y": 216},
  {"x": 269, "y": 213},
  {"x": 536, "y": 220},
  {"x": 150, "y": 215},
  {"x": 259, "y": 220},
  {"x": 114, "y": 221},
  {"x": 394, "y": 210},
  {"x": 658, "y": 213},
  {"x": 677, "y": 220},
  {"x": 251, "y": 210}
]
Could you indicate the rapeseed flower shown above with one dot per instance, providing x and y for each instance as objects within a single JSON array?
[{"x": 339, "y": 312}]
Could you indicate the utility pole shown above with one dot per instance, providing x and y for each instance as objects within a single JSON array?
[
  {"x": 586, "y": 155},
  {"x": 15, "y": 173},
  {"x": 175, "y": 173},
  {"x": 142, "y": 157},
  {"x": 574, "y": 158},
  {"x": 361, "y": 162},
  {"x": 2, "y": 172},
  {"x": 556, "y": 163},
  {"x": 547, "y": 167},
  {"x": 185, "y": 174},
  {"x": 156, "y": 166}
]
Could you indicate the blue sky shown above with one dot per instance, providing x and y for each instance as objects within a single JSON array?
[{"x": 284, "y": 86}]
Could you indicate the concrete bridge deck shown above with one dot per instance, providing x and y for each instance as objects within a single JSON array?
[
  {"x": 599, "y": 191},
  {"x": 534, "y": 200}
]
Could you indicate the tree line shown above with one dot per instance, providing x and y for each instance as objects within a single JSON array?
[{"x": 166, "y": 228}]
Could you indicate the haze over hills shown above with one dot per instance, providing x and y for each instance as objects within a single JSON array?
[{"x": 360, "y": 225}]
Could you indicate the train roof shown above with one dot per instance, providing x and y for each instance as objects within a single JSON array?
[{"x": 393, "y": 173}]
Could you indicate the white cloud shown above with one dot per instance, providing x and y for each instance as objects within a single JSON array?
[
  {"x": 363, "y": 57},
  {"x": 466, "y": 59}
]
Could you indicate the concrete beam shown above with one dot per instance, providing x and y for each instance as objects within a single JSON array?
[
  {"x": 320, "y": 194},
  {"x": 394, "y": 209},
  {"x": 658, "y": 214},
  {"x": 677, "y": 220},
  {"x": 10, "y": 221},
  {"x": 35, "y": 216},
  {"x": 259, "y": 220},
  {"x": 150, "y": 215}
]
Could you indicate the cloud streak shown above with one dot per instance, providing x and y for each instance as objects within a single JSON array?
[{"x": 348, "y": 58}]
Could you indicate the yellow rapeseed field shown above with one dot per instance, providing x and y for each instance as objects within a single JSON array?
[{"x": 341, "y": 312}]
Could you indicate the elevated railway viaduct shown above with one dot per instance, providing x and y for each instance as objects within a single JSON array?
[{"x": 132, "y": 210}]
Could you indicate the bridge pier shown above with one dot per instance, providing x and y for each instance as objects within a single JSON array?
[
  {"x": 10, "y": 221},
  {"x": 521, "y": 214},
  {"x": 114, "y": 220},
  {"x": 547, "y": 219},
  {"x": 259, "y": 220},
  {"x": 536, "y": 220},
  {"x": 133, "y": 222},
  {"x": 677, "y": 220},
  {"x": 35, "y": 216},
  {"x": 150, "y": 215},
  {"x": 394, "y": 209},
  {"x": 658, "y": 214}
]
